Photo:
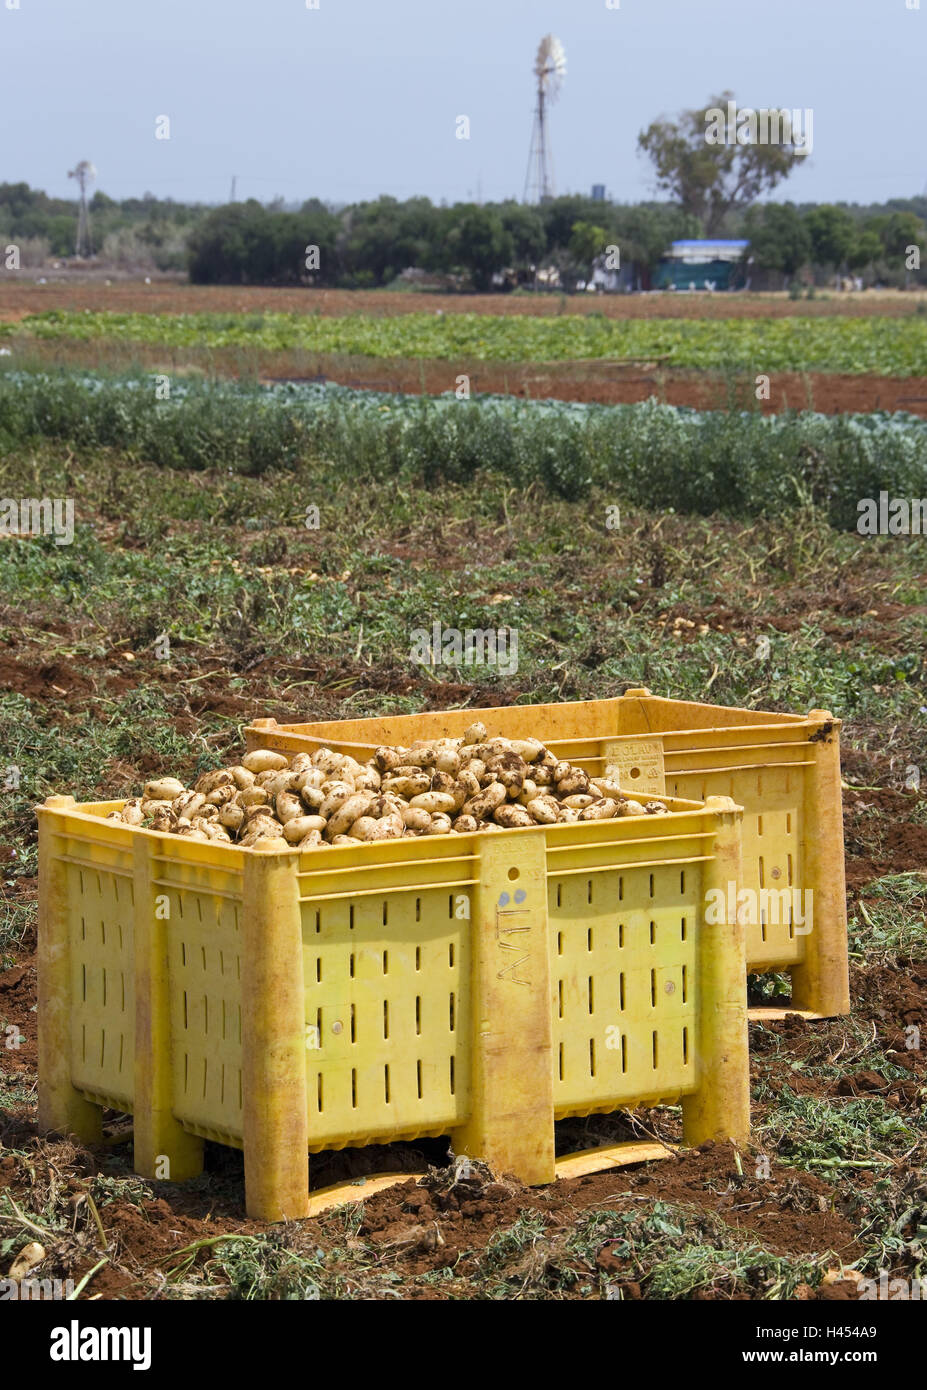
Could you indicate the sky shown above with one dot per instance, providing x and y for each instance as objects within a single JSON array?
[{"x": 361, "y": 97}]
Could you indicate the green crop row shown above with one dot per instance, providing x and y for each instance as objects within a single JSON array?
[
  {"x": 882, "y": 346},
  {"x": 654, "y": 455}
]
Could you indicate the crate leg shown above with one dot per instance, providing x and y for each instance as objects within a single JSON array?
[
  {"x": 720, "y": 1108},
  {"x": 162, "y": 1148},
  {"x": 62, "y": 1108},
  {"x": 820, "y": 983},
  {"x": 511, "y": 1125},
  {"x": 273, "y": 1019}
]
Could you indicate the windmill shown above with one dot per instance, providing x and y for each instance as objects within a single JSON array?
[
  {"x": 85, "y": 173},
  {"x": 549, "y": 69}
]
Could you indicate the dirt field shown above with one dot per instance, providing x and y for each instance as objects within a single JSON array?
[
  {"x": 85, "y": 706},
  {"x": 21, "y": 296}
]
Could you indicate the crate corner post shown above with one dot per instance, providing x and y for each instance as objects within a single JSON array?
[
  {"x": 275, "y": 1120},
  {"x": 511, "y": 1124},
  {"x": 162, "y": 1148},
  {"x": 62, "y": 1109},
  {"x": 720, "y": 1107},
  {"x": 820, "y": 982}
]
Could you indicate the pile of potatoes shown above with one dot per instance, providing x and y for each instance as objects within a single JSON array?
[{"x": 441, "y": 786}]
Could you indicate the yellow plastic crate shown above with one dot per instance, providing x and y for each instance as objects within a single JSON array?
[
  {"x": 478, "y": 986},
  {"x": 783, "y": 769}
]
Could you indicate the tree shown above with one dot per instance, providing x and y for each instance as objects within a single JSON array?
[
  {"x": 645, "y": 231},
  {"x": 902, "y": 229},
  {"x": 779, "y": 238},
  {"x": 481, "y": 243},
  {"x": 587, "y": 244},
  {"x": 708, "y": 180},
  {"x": 865, "y": 251},
  {"x": 525, "y": 227},
  {"x": 832, "y": 232}
]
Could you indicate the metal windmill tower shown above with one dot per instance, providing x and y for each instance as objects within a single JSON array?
[
  {"x": 549, "y": 69},
  {"x": 85, "y": 173}
]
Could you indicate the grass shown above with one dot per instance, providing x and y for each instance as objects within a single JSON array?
[
  {"x": 823, "y": 1133},
  {"x": 672, "y": 1251},
  {"x": 891, "y": 923}
]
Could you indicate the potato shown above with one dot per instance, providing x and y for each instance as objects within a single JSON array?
[
  {"x": 336, "y": 794},
  {"x": 386, "y": 829},
  {"x": 368, "y": 779},
  {"x": 630, "y": 808},
  {"x": 656, "y": 808},
  {"x": 312, "y": 840},
  {"x": 424, "y": 755},
  {"x": 253, "y": 796},
  {"x": 569, "y": 814},
  {"x": 241, "y": 777},
  {"x": 544, "y": 810},
  {"x": 300, "y": 762},
  {"x": 363, "y": 827},
  {"x": 528, "y": 792},
  {"x": 163, "y": 789},
  {"x": 312, "y": 798},
  {"x": 476, "y": 733},
  {"x": 438, "y": 825},
  {"x": 211, "y": 781},
  {"x": 434, "y": 801},
  {"x": 298, "y": 827},
  {"x": 579, "y": 802},
  {"x": 264, "y": 760},
  {"x": 465, "y": 825},
  {"x": 387, "y": 759},
  {"x": 509, "y": 769},
  {"x": 603, "y": 809},
  {"x": 310, "y": 777},
  {"x": 482, "y": 806},
  {"x": 408, "y": 785},
  {"x": 187, "y": 804},
  {"x": 469, "y": 782},
  {"x": 339, "y": 840},
  {"x": 288, "y": 807},
  {"x": 575, "y": 782},
  {"x": 205, "y": 812},
  {"x": 222, "y": 795},
  {"x": 415, "y": 818},
  {"x": 261, "y": 828},
  {"x": 231, "y": 816},
  {"x": 347, "y": 812},
  {"x": 155, "y": 808},
  {"x": 606, "y": 788},
  {"x": 448, "y": 760},
  {"x": 328, "y": 761},
  {"x": 512, "y": 817},
  {"x": 476, "y": 768},
  {"x": 528, "y": 749},
  {"x": 132, "y": 813}
]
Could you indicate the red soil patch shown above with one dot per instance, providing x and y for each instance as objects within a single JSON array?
[{"x": 21, "y": 296}]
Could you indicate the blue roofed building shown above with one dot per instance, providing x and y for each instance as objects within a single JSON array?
[{"x": 706, "y": 264}]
